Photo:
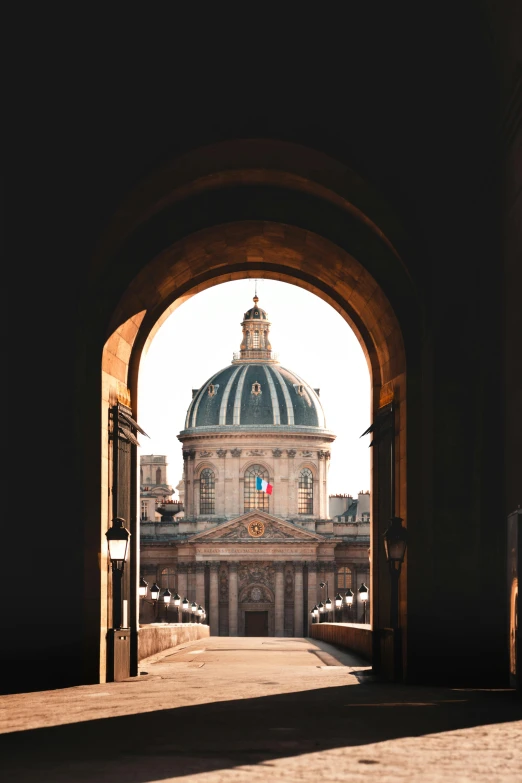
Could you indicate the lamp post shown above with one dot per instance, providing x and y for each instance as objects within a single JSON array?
[
  {"x": 395, "y": 542},
  {"x": 185, "y": 608},
  {"x": 177, "y": 601},
  {"x": 328, "y": 608},
  {"x": 348, "y": 599},
  {"x": 194, "y": 607},
  {"x": 167, "y": 595},
  {"x": 142, "y": 588},
  {"x": 338, "y": 604},
  {"x": 363, "y": 595},
  {"x": 322, "y": 585},
  {"x": 321, "y": 611},
  {"x": 118, "y": 544}
]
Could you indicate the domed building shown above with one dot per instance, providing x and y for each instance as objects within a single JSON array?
[{"x": 256, "y": 539}]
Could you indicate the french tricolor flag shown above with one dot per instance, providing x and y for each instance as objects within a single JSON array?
[{"x": 263, "y": 486}]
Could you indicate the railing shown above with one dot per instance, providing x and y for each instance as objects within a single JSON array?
[{"x": 255, "y": 354}]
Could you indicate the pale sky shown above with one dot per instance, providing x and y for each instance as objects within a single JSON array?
[{"x": 308, "y": 335}]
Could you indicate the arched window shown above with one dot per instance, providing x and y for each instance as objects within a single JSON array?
[
  {"x": 256, "y": 339},
  {"x": 207, "y": 492},
  {"x": 168, "y": 578},
  {"x": 158, "y": 475},
  {"x": 305, "y": 500},
  {"x": 344, "y": 578},
  {"x": 255, "y": 498}
]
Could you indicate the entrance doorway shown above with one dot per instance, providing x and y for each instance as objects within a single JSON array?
[{"x": 256, "y": 623}]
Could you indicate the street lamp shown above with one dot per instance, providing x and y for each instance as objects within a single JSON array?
[
  {"x": 194, "y": 607},
  {"x": 321, "y": 610},
  {"x": 363, "y": 595},
  {"x": 142, "y": 589},
  {"x": 348, "y": 598},
  {"x": 200, "y": 613},
  {"x": 328, "y": 607},
  {"x": 338, "y": 604},
  {"x": 167, "y": 595},
  {"x": 395, "y": 542},
  {"x": 177, "y": 601},
  {"x": 185, "y": 608},
  {"x": 118, "y": 545}
]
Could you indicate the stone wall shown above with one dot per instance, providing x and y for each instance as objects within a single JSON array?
[{"x": 154, "y": 639}]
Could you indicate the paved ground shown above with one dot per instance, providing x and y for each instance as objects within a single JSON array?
[{"x": 242, "y": 709}]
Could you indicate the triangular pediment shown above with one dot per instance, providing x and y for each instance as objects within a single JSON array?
[{"x": 244, "y": 529}]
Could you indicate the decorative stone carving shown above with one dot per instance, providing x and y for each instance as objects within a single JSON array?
[
  {"x": 289, "y": 583},
  {"x": 182, "y": 568},
  {"x": 189, "y": 454},
  {"x": 256, "y": 453},
  {"x": 257, "y": 574},
  {"x": 200, "y": 568},
  {"x": 327, "y": 454},
  {"x": 223, "y": 584},
  {"x": 312, "y": 566},
  {"x": 279, "y": 568},
  {"x": 291, "y": 452},
  {"x": 236, "y": 452},
  {"x": 321, "y": 454},
  {"x": 205, "y": 453},
  {"x": 240, "y": 531},
  {"x": 306, "y": 453},
  {"x": 276, "y": 452},
  {"x": 298, "y": 565},
  {"x": 256, "y": 594},
  {"x": 214, "y": 567},
  {"x": 221, "y": 452}
]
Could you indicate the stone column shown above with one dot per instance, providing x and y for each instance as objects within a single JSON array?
[
  {"x": 235, "y": 503},
  {"x": 232, "y": 599},
  {"x": 320, "y": 485},
  {"x": 292, "y": 483},
  {"x": 182, "y": 586},
  {"x": 191, "y": 582},
  {"x": 298, "y": 599},
  {"x": 200, "y": 585},
  {"x": 213, "y": 609},
  {"x": 279, "y": 600},
  {"x": 312, "y": 589},
  {"x": 330, "y": 571},
  {"x": 221, "y": 495},
  {"x": 277, "y": 499},
  {"x": 189, "y": 456}
]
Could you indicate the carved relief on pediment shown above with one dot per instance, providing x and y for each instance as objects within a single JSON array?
[
  {"x": 233, "y": 534},
  {"x": 272, "y": 530}
]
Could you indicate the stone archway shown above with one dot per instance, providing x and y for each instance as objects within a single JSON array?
[
  {"x": 347, "y": 260},
  {"x": 256, "y": 597}
]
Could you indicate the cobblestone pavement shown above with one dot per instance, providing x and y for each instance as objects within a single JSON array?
[{"x": 264, "y": 709}]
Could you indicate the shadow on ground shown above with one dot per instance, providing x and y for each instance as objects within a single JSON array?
[{"x": 224, "y": 735}]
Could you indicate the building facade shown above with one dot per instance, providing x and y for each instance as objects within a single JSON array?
[{"x": 255, "y": 558}]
